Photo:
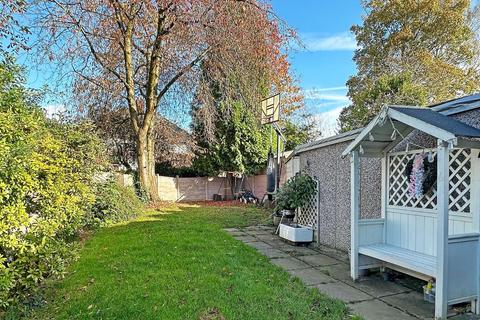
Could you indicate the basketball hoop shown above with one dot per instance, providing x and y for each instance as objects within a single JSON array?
[{"x": 271, "y": 109}]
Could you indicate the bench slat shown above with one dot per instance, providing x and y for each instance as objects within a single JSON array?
[{"x": 405, "y": 258}]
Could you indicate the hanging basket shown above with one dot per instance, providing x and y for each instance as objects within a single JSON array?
[{"x": 429, "y": 175}]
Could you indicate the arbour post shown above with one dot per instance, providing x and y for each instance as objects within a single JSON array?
[
  {"x": 441, "y": 298},
  {"x": 355, "y": 212}
]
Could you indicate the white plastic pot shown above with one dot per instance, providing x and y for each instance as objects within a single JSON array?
[{"x": 296, "y": 233}]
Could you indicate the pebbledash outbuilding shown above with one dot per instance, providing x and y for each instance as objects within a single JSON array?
[{"x": 404, "y": 193}]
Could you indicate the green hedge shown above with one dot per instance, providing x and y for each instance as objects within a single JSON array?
[
  {"x": 114, "y": 203},
  {"x": 47, "y": 190}
]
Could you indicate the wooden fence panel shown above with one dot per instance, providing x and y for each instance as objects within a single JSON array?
[
  {"x": 167, "y": 188},
  {"x": 200, "y": 188}
]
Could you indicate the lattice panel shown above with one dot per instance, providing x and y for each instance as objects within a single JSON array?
[
  {"x": 460, "y": 171},
  {"x": 308, "y": 215},
  {"x": 459, "y": 193}
]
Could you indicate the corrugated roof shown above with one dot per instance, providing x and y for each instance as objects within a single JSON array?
[{"x": 456, "y": 127}]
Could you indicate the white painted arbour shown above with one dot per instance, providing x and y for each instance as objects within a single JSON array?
[
  {"x": 434, "y": 236},
  {"x": 410, "y": 222}
]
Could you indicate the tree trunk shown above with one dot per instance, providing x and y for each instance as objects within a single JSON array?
[
  {"x": 153, "y": 190},
  {"x": 142, "y": 161}
]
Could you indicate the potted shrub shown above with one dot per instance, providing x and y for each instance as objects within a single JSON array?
[{"x": 295, "y": 193}]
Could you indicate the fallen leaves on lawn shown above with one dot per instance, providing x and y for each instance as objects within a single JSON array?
[{"x": 212, "y": 314}]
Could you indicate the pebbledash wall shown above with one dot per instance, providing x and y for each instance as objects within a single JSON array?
[
  {"x": 322, "y": 159},
  {"x": 200, "y": 188}
]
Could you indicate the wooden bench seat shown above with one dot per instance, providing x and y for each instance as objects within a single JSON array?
[{"x": 408, "y": 259}]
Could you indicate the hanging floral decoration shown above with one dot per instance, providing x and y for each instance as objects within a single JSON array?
[{"x": 422, "y": 173}]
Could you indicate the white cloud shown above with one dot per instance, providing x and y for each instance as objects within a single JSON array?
[
  {"x": 325, "y": 96},
  {"x": 340, "y": 42},
  {"x": 340, "y": 88},
  {"x": 333, "y": 94},
  {"x": 327, "y": 103},
  {"x": 54, "y": 110},
  {"x": 327, "y": 122}
]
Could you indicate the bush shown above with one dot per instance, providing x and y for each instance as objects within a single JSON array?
[
  {"x": 295, "y": 193},
  {"x": 114, "y": 203},
  {"x": 46, "y": 171}
]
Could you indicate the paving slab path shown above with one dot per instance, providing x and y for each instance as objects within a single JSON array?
[{"x": 373, "y": 298}]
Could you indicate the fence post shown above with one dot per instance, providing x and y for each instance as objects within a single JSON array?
[
  {"x": 206, "y": 189},
  {"x": 177, "y": 186}
]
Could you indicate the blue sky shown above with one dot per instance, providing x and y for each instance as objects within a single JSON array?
[
  {"x": 326, "y": 63},
  {"x": 322, "y": 67}
]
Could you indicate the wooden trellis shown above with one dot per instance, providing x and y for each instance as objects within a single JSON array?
[
  {"x": 459, "y": 181},
  {"x": 308, "y": 215}
]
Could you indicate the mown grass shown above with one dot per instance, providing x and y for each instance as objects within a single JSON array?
[{"x": 178, "y": 263}]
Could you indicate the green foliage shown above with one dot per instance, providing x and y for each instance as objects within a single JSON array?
[
  {"x": 46, "y": 170},
  {"x": 241, "y": 143},
  {"x": 295, "y": 193},
  {"x": 388, "y": 89},
  {"x": 430, "y": 46},
  {"x": 298, "y": 133},
  {"x": 114, "y": 203}
]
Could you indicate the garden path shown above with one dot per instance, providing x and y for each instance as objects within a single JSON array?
[{"x": 328, "y": 270}]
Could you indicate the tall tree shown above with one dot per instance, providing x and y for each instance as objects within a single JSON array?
[
  {"x": 300, "y": 130},
  {"x": 428, "y": 45},
  {"x": 13, "y": 32},
  {"x": 240, "y": 143},
  {"x": 388, "y": 89},
  {"x": 144, "y": 55}
]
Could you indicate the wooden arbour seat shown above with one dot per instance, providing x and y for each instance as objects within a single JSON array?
[
  {"x": 393, "y": 256},
  {"x": 433, "y": 233}
]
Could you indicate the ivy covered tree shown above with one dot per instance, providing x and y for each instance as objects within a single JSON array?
[
  {"x": 412, "y": 52},
  {"x": 240, "y": 143}
]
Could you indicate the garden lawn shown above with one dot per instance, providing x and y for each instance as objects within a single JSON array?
[{"x": 178, "y": 263}]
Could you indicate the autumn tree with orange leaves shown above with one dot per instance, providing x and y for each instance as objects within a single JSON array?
[{"x": 145, "y": 56}]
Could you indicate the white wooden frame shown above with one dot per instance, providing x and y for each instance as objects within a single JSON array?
[{"x": 455, "y": 260}]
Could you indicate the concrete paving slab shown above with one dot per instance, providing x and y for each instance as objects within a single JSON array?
[
  {"x": 231, "y": 229},
  {"x": 413, "y": 303},
  {"x": 260, "y": 245},
  {"x": 290, "y": 263},
  {"x": 338, "y": 271},
  {"x": 258, "y": 232},
  {"x": 465, "y": 316},
  {"x": 237, "y": 233},
  {"x": 251, "y": 228},
  {"x": 343, "y": 292},
  {"x": 339, "y": 255},
  {"x": 378, "y": 310},
  {"x": 376, "y": 286},
  {"x": 279, "y": 244},
  {"x": 246, "y": 238},
  {"x": 316, "y": 260},
  {"x": 311, "y": 276},
  {"x": 268, "y": 237},
  {"x": 275, "y": 243},
  {"x": 273, "y": 253},
  {"x": 268, "y": 228},
  {"x": 299, "y": 251}
]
